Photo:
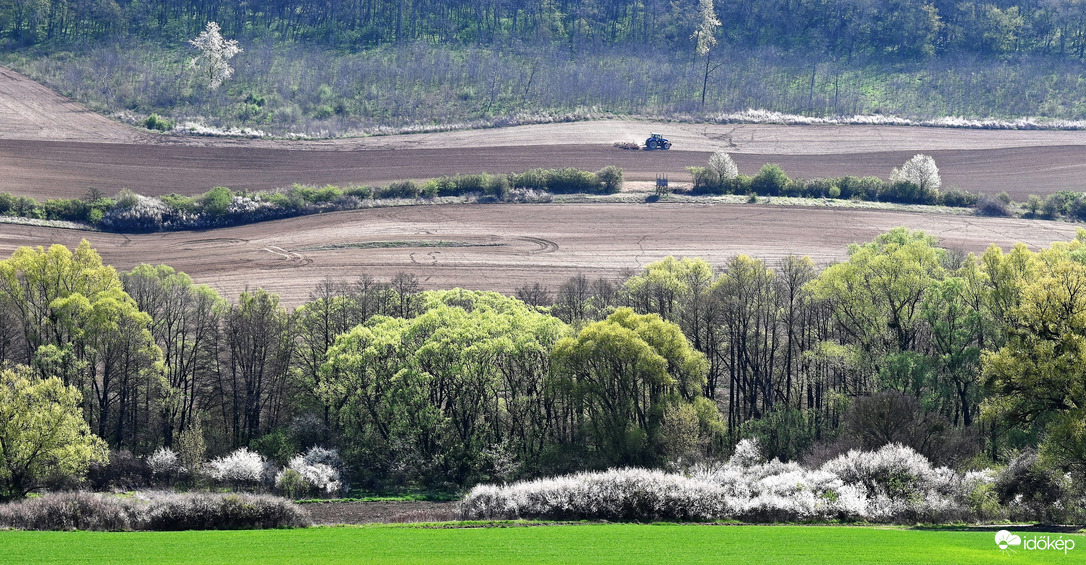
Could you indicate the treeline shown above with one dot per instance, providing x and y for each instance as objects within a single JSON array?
[
  {"x": 965, "y": 359},
  {"x": 357, "y": 67},
  {"x": 128, "y": 212},
  {"x": 771, "y": 180},
  {"x": 895, "y": 30}
]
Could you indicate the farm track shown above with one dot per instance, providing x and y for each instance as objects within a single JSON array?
[{"x": 51, "y": 147}]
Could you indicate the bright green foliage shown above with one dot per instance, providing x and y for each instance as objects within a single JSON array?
[
  {"x": 665, "y": 285},
  {"x": 626, "y": 372},
  {"x": 877, "y": 297},
  {"x": 79, "y": 325},
  {"x": 217, "y": 200},
  {"x": 447, "y": 394},
  {"x": 678, "y": 290},
  {"x": 42, "y": 433},
  {"x": 770, "y": 180},
  {"x": 1039, "y": 376},
  {"x": 958, "y": 329}
]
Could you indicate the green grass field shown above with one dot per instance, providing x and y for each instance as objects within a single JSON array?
[{"x": 626, "y": 544}]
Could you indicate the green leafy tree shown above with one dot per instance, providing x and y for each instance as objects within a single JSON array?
[
  {"x": 877, "y": 300},
  {"x": 42, "y": 433},
  {"x": 1038, "y": 378},
  {"x": 79, "y": 325},
  {"x": 217, "y": 200},
  {"x": 436, "y": 396},
  {"x": 624, "y": 373},
  {"x": 958, "y": 328}
]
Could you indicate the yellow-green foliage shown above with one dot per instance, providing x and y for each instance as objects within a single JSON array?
[
  {"x": 42, "y": 432},
  {"x": 1039, "y": 375}
]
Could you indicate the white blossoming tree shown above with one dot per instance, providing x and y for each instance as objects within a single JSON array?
[
  {"x": 723, "y": 166},
  {"x": 921, "y": 171},
  {"x": 704, "y": 33},
  {"x": 215, "y": 55}
]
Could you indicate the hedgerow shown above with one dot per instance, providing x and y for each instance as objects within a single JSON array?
[
  {"x": 892, "y": 484},
  {"x": 158, "y": 511},
  {"x": 128, "y": 212}
]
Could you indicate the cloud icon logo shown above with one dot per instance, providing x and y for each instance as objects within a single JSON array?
[{"x": 1005, "y": 539}]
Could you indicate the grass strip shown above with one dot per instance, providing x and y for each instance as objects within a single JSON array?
[{"x": 624, "y": 544}]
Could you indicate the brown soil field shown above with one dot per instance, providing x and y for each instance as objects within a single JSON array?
[
  {"x": 29, "y": 110},
  {"x": 50, "y": 169},
  {"x": 503, "y": 246},
  {"x": 51, "y": 147}
]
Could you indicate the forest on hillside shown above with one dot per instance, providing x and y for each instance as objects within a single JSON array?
[
  {"x": 354, "y": 67},
  {"x": 892, "y": 29}
]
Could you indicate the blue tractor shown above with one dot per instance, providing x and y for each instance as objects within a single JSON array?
[{"x": 657, "y": 141}]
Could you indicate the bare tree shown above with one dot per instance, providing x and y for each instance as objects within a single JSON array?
[
  {"x": 534, "y": 295},
  {"x": 406, "y": 287},
  {"x": 258, "y": 345}
]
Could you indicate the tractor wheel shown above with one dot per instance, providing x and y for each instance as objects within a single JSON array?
[
  {"x": 667, "y": 145},
  {"x": 651, "y": 144}
]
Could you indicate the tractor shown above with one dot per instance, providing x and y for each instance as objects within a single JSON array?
[{"x": 657, "y": 141}]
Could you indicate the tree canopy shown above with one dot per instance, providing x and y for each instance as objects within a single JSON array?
[
  {"x": 1039, "y": 376},
  {"x": 42, "y": 433}
]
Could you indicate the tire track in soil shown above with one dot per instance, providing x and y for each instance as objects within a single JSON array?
[{"x": 545, "y": 245}]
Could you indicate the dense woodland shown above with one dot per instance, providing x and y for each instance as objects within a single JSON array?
[
  {"x": 354, "y": 67},
  {"x": 895, "y": 29},
  {"x": 968, "y": 360}
]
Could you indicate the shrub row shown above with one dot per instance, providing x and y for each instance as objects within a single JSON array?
[
  {"x": 771, "y": 180},
  {"x": 1062, "y": 204},
  {"x": 88, "y": 211},
  {"x": 219, "y": 207},
  {"x": 893, "y": 484},
  {"x": 156, "y": 511},
  {"x": 318, "y": 472}
]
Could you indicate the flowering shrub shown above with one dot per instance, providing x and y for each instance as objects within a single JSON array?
[
  {"x": 753, "y": 116},
  {"x": 319, "y": 469},
  {"x": 238, "y": 468},
  {"x": 164, "y": 464},
  {"x": 1032, "y": 490},
  {"x": 152, "y": 511},
  {"x": 892, "y": 484},
  {"x": 144, "y": 214}
]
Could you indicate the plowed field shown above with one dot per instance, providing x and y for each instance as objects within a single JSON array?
[
  {"x": 51, "y": 147},
  {"x": 503, "y": 246}
]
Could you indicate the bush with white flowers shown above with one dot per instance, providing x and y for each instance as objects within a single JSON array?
[
  {"x": 893, "y": 484},
  {"x": 319, "y": 470},
  {"x": 165, "y": 464},
  {"x": 238, "y": 468}
]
